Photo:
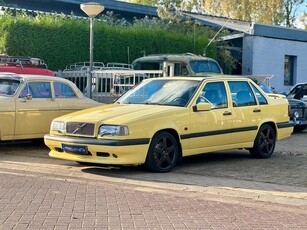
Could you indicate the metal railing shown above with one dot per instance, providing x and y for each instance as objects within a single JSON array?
[{"x": 109, "y": 83}]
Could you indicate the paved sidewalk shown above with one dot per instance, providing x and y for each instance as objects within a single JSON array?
[
  {"x": 39, "y": 201},
  {"x": 226, "y": 190}
]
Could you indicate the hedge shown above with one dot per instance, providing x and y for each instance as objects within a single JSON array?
[{"x": 61, "y": 41}]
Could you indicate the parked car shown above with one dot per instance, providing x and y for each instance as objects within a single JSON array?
[
  {"x": 297, "y": 97},
  {"x": 24, "y": 65},
  {"x": 162, "y": 120},
  {"x": 298, "y": 108},
  {"x": 299, "y": 92},
  {"x": 28, "y": 104},
  {"x": 178, "y": 64}
]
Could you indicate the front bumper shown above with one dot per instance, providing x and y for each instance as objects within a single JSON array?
[
  {"x": 299, "y": 121},
  {"x": 101, "y": 151}
]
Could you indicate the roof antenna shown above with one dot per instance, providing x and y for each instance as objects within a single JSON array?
[{"x": 204, "y": 54}]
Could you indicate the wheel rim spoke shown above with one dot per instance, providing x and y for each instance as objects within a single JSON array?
[
  {"x": 262, "y": 146},
  {"x": 271, "y": 141},
  {"x": 171, "y": 148},
  {"x": 164, "y": 143},
  {"x": 169, "y": 161},
  {"x": 160, "y": 161}
]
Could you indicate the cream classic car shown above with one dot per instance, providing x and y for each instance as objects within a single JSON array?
[
  {"x": 164, "y": 119},
  {"x": 28, "y": 104}
]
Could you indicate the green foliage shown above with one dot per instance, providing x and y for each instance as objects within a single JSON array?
[{"x": 61, "y": 40}]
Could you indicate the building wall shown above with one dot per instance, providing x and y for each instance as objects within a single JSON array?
[{"x": 266, "y": 56}]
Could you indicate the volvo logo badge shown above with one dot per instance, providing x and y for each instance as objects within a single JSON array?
[{"x": 79, "y": 127}]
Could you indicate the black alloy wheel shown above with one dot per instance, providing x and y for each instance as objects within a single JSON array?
[
  {"x": 163, "y": 153},
  {"x": 264, "y": 143}
]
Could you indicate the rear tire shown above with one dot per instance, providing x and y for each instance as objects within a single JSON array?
[
  {"x": 264, "y": 143},
  {"x": 163, "y": 153}
]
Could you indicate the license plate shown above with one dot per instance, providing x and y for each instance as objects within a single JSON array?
[{"x": 75, "y": 149}]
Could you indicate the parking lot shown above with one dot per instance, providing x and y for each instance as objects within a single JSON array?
[
  {"x": 287, "y": 166},
  {"x": 224, "y": 190}
]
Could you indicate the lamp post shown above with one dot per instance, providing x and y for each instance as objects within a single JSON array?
[{"x": 92, "y": 9}]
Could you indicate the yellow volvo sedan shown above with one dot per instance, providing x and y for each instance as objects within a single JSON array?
[
  {"x": 164, "y": 119},
  {"x": 29, "y": 103}
]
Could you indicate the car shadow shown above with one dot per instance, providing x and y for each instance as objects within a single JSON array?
[{"x": 230, "y": 169}]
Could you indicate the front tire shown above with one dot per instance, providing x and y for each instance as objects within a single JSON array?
[
  {"x": 163, "y": 153},
  {"x": 264, "y": 143}
]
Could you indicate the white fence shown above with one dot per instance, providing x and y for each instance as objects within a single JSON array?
[{"x": 108, "y": 84}]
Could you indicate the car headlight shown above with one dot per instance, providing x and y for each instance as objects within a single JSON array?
[
  {"x": 58, "y": 126},
  {"x": 297, "y": 113},
  {"x": 115, "y": 130}
]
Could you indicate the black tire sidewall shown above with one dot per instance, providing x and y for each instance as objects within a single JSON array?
[
  {"x": 150, "y": 161},
  {"x": 256, "y": 151}
]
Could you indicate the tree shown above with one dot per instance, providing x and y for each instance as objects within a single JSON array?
[
  {"x": 303, "y": 20},
  {"x": 290, "y": 9},
  {"x": 264, "y": 11},
  {"x": 145, "y": 2},
  {"x": 276, "y": 12}
]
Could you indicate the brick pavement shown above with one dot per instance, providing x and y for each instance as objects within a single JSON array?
[
  {"x": 219, "y": 191},
  {"x": 31, "y": 200}
]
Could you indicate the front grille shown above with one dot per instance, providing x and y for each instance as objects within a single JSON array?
[{"x": 80, "y": 128}]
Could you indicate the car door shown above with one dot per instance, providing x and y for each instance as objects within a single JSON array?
[
  {"x": 246, "y": 112},
  {"x": 67, "y": 98},
  {"x": 210, "y": 129},
  {"x": 35, "y": 109}
]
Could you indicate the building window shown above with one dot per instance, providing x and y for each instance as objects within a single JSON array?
[{"x": 289, "y": 70}]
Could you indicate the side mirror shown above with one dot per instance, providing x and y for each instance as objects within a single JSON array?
[
  {"x": 29, "y": 96},
  {"x": 202, "y": 107}
]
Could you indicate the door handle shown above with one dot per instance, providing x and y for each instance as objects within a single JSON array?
[
  {"x": 227, "y": 113},
  {"x": 257, "y": 110}
]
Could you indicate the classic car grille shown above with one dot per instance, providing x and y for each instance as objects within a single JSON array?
[{"x": 80, "y": 128}]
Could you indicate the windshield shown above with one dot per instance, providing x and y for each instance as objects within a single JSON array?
[
  {"x": 161, "y": 92},
  {"x": 298, "y": 92},
  {"x": 8, "y": 87},
  {"x": 204, "y": 66}
]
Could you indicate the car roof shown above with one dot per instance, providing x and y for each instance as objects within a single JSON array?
[
  {"x": 173, "y": 57},
  {"x": 205, "y": 77},
  {"x": 31, "y": 77}
]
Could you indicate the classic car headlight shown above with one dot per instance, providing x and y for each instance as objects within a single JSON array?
[
  {"x": 117, "y": 130},
  {"x": 58, "y": 126},
  {"x": 297, "y": 113}
]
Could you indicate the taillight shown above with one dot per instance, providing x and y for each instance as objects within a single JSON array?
[{"x": 289, "y": 111}]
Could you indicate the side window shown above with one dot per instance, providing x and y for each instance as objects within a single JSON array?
[
  {"x": 177, "y": 69},
  {"x": 242, "y": 94},
  {"x": 215, "y": 94},
  {"x": 63, "y": 90},
  {"x": 37, "y": 90},
  {"x": 261, "y": 98},
  {"x": 185, "y": 71}
]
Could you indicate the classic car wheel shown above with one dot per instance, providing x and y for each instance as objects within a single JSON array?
[
  {"x": 264, "y": 143},
  {"x": 163, "y": 153}
]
